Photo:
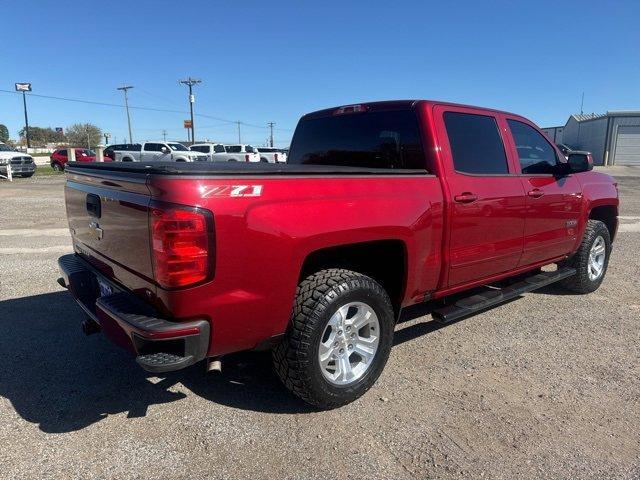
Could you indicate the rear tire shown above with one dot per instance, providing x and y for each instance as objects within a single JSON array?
[
  {"x": 337, "y": 315},
  {"x": 57, "y": 167},
  {"x": 591, "y": 260}
]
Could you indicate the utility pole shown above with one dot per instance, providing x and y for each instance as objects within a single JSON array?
[
  {"x": 164, "y": 135},
  {"x": 124, "y": 88},
  {"x": 239, "y": 134},
  {"x": 271, "y": 124},
  {"x": 25, "y": 87},
  {"x": 582, "y": 103},
  {"x": 190, "y": 82}
]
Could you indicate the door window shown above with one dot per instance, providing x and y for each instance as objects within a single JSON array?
[
  {"x": 535, "y": 153},
  {"x": 153, "y": 147},
  {"x": 476, "y": 145}
]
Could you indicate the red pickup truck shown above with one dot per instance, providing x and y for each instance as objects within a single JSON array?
[{"x": 380, "y": 206}]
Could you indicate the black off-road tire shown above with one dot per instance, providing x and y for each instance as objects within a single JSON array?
[
  {"x": 318, "y": 297},
  {"x": 580, "y": 282}
]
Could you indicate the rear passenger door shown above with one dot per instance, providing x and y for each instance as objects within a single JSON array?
[
  {"x": 553, "y": 201},
  {"x": 151, "y": 152},
  {"x": 486, "y": 197}
]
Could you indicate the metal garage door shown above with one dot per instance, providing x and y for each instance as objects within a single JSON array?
[{"x": 627, "y": 145}]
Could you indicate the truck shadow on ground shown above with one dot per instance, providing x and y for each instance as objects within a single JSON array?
[{"x": 56, "y": 377}]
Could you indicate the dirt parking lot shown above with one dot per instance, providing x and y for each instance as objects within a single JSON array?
[{"x": 545, "y": 386}]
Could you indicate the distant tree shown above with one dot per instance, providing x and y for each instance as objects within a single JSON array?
[
  {"x": 4, "y": 133},
  {"x": 40, "y": 136},
  {"x": 84, "y": 135}
]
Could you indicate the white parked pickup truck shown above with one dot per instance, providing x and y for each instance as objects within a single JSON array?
[
  {"x": 159, "y": 152},
  {"x": 215, "y": 152},
  {"x": 272, "y": 155}
]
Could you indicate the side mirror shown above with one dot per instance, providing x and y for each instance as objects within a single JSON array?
[
  {"x": 164, "y": 149},
  {"x": 579, "y": 162}
]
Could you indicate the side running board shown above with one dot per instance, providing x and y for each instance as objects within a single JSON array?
[{"x": 495, "y": 296}]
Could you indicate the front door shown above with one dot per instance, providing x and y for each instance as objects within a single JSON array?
[
  {"x": 486, "y": 197},
  {"x": 553, "y": 201}
]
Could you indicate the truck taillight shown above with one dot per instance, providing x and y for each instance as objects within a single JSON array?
[
  {"x": 182, "y": 245},
  {"x": 246, "y": 158}
]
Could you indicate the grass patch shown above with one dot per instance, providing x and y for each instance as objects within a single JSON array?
[
  {"x": 46, "y": 170},
  {"x": 40, "y": 154}
]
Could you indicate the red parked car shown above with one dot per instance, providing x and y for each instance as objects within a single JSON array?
[
  {"x": 381, "y": 206},
  {"x": 59, "y": 158}
]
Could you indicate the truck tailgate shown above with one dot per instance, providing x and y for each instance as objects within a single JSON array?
[{"x": 109, "y": 224}]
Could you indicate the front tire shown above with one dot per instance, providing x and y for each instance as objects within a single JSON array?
[
  {"x": 57, "y": 167},
  {"x": 591, "y": 260},
  {"x": 339, "y": 338}
]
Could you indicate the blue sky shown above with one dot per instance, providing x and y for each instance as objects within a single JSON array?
[{"x": 273, "y": 61}]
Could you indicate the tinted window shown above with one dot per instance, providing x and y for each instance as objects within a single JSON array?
[
  {"x": 475, "y": 142},
  {"x": 200, "y": 148},
  {"x": 234, "y": 148},
  {"x": 249, "y": 148},
  {"x": 534, "y": 151},
  {"x": 383, "y": 139},
  {"x": 62, "y": 152},
  {"x": 153, "y": 147},
  {"x": 219, "y": 149},
  {"x": 178, "y": 146},
  {"x": 267, "y": 150}
]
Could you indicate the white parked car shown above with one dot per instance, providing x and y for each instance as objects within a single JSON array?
[
  {"x": 159, "y": 152},
  {"x": 272, "y": 155},
  {"x": 215, "y": 152}
]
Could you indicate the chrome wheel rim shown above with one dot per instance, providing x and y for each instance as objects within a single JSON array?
[
  {"x": 597, "y": 256},
  {"x": 349, "y": 343}
]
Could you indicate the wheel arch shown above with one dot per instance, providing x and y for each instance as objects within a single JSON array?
[
  {"x": 607, "y": 214},
  {"x": 383, "y": 260}
]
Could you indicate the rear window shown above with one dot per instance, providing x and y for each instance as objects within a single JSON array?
[{"x": 383, "y": 139}]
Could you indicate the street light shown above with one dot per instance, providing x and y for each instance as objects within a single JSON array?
[
  {"x": 190, "y": 82},
  {"x": 124, "y": 88},
  {"x": 25, "y": 87}
]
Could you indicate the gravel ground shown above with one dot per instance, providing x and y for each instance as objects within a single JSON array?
[{"x": 545, "y": 386}]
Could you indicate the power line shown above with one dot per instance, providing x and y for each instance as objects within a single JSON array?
[{"x": 150, "y": 109}]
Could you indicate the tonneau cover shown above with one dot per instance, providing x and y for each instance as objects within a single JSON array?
[{"x": 232, "y": 168}]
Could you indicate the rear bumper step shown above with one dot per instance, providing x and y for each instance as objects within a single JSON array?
[
  {"x": 159, "y": 345},
  {"x": 491, "y": 297}
]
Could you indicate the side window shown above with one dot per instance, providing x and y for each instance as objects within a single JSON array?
[
  {"x": 475, "y": 142},
  {"x": 153, "y": 147},
  {"x": 535, "y": 153},
  {"x": 219, "y": 149},
  {"x": 62, "y": 153}
]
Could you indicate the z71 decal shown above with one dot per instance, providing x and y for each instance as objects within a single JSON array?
[{"x": 231, "y": 191}]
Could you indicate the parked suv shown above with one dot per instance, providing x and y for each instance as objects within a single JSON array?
[{"x": 60, "y": 157}]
